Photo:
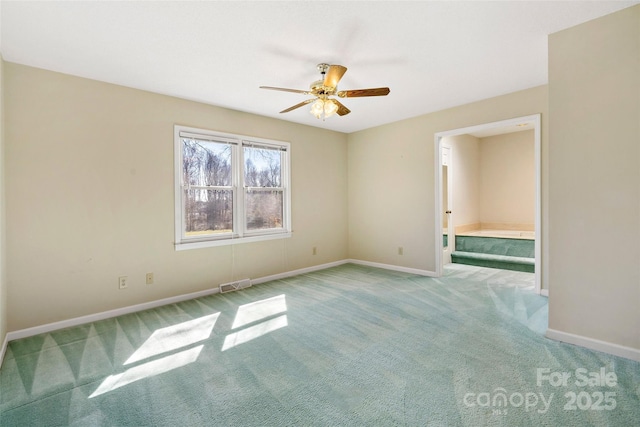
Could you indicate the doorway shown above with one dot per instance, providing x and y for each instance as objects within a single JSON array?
[
  {"x": 444, "y": 186},
  {"x": 448, "y": 230}
]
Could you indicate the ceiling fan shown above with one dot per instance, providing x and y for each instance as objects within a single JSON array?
[{"x": 323, "y": 104}]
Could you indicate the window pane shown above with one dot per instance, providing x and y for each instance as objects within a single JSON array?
[
  {"x": 261, "y": 167},
  {"x": 264, "y": 210},
  {"x": 208, "y": 212},
  {"x": 206, "y": 163}
]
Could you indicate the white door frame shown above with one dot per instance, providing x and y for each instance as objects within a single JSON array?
[
  {"x": 451, "y": 235},
  {"x": 533, "y": 120}
]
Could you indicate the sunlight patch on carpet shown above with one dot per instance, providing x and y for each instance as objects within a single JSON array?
[
  {"x": 254, "y": 332},
  {"x": 252, "y": 312},
  {"x": 175, "y": 337},
  {"x": 149, "y": 369}
]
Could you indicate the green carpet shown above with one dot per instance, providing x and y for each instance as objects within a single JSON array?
[{"x": 349, "y": 345}]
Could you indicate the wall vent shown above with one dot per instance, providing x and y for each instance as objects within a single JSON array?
[{"x": 234, "y": 286}]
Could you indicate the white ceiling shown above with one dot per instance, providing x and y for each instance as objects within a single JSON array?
[{"x": 433, "y": 55}]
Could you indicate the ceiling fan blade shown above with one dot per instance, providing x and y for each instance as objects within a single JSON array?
[
  {"x": 334, "y": 75},
  {"x": 308, "y": 101},
  {"x": 285, "y": 89},
  {"x": 342, "y": 110},
  {"x": 379, "y": 91}
]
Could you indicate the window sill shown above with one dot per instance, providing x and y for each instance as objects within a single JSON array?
[{"x": 183, "y": 246}]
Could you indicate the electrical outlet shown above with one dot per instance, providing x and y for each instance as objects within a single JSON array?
[
  {"x": 149, "y": 279},
  {"x": 400, "y": 250},
  {"x": 314, "y": 251},
  {"x": 122, "y": 282}
]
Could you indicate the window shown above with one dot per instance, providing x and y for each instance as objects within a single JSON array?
[{"x": 229, "y": 189}]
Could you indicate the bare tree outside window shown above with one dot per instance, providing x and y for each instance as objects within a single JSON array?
[
  {"x": 263, "y": 180},
  {"x": 207, "y": 171}
]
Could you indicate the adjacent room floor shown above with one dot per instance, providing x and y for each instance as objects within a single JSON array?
[{"x": 349, "y": 345}]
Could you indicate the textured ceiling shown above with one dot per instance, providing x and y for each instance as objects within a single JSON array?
[{"x": 433, "y": 55}]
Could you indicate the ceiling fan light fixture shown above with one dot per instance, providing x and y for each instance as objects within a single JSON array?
[
  {"x": 330, "y": 108},
  {"x": 317, "y": 108},
  {"x": 323, "y": 108}
]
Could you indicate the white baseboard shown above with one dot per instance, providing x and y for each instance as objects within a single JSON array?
[
  {"x": 76, "y": 321},
  {"x": 394, "y": 267},
  {"x": 594, "y": 344},
  {"x": 544, "y": 292},
  {"x": 297, "y": 272},
  {"x": 49, "y": 327}
]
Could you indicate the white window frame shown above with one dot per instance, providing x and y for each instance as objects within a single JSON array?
[{"x": 240, "y": 234}]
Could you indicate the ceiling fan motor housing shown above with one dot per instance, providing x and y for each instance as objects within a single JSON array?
[{"x": 318, "y": 88}]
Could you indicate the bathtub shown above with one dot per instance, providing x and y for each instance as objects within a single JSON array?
[{"x": 509, "y": 234}]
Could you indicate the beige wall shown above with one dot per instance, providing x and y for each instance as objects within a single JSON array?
[
  {"x": 465, "y": 171},
  {"x": 493, "y": 181},
  {"x": 3, "y": 271},
  {"x": 90, "y": 197},
  {"x": 594, "y": 179},
  {"x": 391, "y": 179},
  {"x": 508, "y": 179}
]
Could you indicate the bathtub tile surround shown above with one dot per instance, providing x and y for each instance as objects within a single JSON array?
[
  {"x": 350, "y": 345},
  {"x": 507, "y": 234},
  {"x": 508, "y": 253},
  {"x": 497, "y": 246}
]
